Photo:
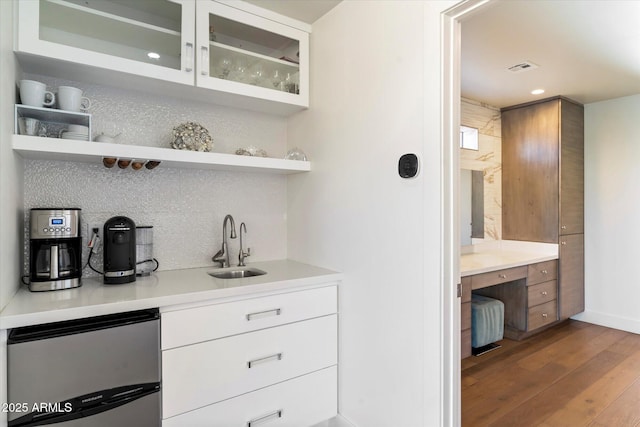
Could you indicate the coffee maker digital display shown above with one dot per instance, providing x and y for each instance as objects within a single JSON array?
[{"x": 55, "y": 249}]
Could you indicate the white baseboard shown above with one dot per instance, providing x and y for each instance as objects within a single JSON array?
[{"x": 610, "y": 321}]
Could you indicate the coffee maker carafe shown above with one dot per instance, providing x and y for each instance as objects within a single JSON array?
[{"x": 55, "y": 249}]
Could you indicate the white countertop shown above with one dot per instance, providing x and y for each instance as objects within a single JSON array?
[
  {"x": 161, "y": 289},
  {"x": 496, "y": 255}
]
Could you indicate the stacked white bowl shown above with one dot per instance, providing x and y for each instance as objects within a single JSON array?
[{"x": 77, "y": 132}]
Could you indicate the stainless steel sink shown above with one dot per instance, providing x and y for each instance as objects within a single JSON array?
[{"x": 236, "y": 273}]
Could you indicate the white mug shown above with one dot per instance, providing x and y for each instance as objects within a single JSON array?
[
  {"x": 71, "y": 99},
  {"x": 35, "y": 94}
]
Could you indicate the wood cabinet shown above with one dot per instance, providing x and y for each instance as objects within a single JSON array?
[
  {"x": 230, "y": 53},
  {"x": 529, "y": 294},
  {"x": 465, "y": 317},
  {"x": 252, "y": 360},
  {"x": 571, "y": 290},
  {"x": 543, "y": 186}
]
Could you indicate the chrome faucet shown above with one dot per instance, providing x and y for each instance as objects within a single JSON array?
[
  {"x": 223, "y": 254},
  {"x": 242, "y": 255}
]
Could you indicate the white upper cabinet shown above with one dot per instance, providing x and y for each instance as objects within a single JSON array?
[
  {"x": 228, "y": 52},
  {"x": 154, "y": 39},
  {"x": 240, "y": 52}
]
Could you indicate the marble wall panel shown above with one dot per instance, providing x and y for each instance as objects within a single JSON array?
[{"x": 488, "y": 159}]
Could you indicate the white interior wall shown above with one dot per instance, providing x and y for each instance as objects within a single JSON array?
[
  {"x": 373, "y": 99},
  {"x": 612, "y": 209},
  {"x": 10, "y": 165}
]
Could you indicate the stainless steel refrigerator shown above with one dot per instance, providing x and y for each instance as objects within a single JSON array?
[{"x": 96, "y": 372}]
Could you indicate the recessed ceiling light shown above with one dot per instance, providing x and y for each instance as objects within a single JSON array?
[
  {"x": 537, "y": 91},
  {"x": 153, "y": 55}
]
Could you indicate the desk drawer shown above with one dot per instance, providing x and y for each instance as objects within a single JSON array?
[
  {"x": 542, "y": 272},
  {"x": 198, "y": 375},
  {"x": 542, "y": 293},
  {"x": 302, "y": 401},
  {"x": 542, "y": 315},
  {"x": 483, "y": 280},
  {"x": 193, "y": 325}
]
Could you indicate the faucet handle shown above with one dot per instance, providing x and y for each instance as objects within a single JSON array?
[{"x": 242, "y": 255}]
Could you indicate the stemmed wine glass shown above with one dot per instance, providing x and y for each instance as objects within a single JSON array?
[
  {"x": 224, "y": 67},
  {"x": 277, "y": 80}
]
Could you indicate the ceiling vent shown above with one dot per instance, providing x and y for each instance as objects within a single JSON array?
[{"x": 523, "y": 66}]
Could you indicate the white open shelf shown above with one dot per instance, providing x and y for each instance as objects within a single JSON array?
[{"x": 33, "y": 147}]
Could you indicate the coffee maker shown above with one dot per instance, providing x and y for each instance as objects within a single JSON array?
[
  {"x": 119, "y": 250},
  {"x": 55, "y": 249}
]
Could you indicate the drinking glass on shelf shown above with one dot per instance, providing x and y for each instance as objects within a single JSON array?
[
  {"x": 257, "y": 74},
  {"x": 277, "y": 80},
  {"x": 291, "y": 83},
  {"x": 224, "y": 67},
  {"x": 239, "y": 73}
]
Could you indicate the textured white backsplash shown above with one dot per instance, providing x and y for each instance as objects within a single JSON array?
[{"x": 185, "y": 206}]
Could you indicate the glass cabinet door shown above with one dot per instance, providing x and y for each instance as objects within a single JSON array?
[
  {"x": 244, "y": 53},
  {"x": 153, "y": 37}
]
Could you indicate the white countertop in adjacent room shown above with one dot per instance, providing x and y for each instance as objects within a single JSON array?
[
  {"x": 499, "y": 254},
  {"x": 161, "y": 289}
]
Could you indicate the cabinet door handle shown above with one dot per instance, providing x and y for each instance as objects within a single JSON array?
[
  {"x": 272, "y": 358},
  {"x": 204, "y": 60},
  {"x": 265, "y": 418},
  {"x": 502, "y": 276},
  {"x": 544, "y": 315},
  {"x": 564, "y": 227},
  {"x": 544, "y": 293},
  {"x": 563, "y": 243},
  {"x": 189, "y": 57},
  {"x": 261, "y": 314}
]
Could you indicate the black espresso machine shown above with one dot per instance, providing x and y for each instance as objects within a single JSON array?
[
  {"x": 119, "y": 250},
  {"x": 55, "y": 249}
]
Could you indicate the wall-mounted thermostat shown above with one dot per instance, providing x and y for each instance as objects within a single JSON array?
[{"x": 408, "y": 165}]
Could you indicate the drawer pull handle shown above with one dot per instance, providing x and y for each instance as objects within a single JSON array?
[
  {"x": 265, "y": 418},
  {"x": 544, "y": 315},
  {"x": 261, "y": 314},
  {"x": 563, "y": 243},
  {"x": 564, "y": 227},
  {"x": 544, "y": 272},
  {"x": 544, "y": 293},
  {"x": 502, "y": 276},
  {"x": 272, "y": 358}
]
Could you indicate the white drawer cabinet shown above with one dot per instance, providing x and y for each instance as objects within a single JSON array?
[
  {"x": 302, "y": 401},
  {"x": 230, "y": 363},
  {"x": 197, "y": 375},
  {"x": 221, "y": 320}
]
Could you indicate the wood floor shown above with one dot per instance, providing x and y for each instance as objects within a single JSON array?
[{"x": 575, "y": 374}]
